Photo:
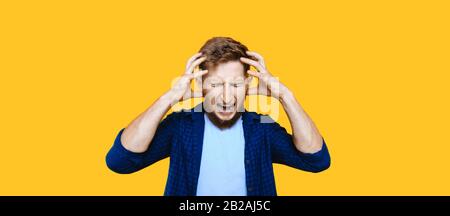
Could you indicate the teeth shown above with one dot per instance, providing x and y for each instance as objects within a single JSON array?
[{"x": 226, "y": 108}]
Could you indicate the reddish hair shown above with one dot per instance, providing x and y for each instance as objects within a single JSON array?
[{"x": 221, "y": 50}]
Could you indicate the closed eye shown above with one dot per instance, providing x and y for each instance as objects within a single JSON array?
[{"x": 236, "y": 84}]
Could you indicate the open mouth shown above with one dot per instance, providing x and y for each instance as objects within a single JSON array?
[{"x": 226, "y": 108}]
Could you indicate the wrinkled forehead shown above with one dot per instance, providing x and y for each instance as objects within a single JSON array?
[{"x": 232, "y": 70}]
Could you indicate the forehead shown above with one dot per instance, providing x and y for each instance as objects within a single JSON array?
[{"x": 226, "y": 71}]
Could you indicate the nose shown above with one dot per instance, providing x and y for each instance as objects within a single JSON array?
[{"x": 227, "y": 95}]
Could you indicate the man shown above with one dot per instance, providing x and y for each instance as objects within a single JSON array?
[{"x": 219, "y": 148}]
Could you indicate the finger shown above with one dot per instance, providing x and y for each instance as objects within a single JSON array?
[
  {"x": 254, "y": 73},
  {"x": 198, "y": 74},
  {"x": 253, "y": 63},
  {"x": 257, "y": 56},
  {"x": 262, "y": 78},
  {"x": 248, "y": 80},
  {"x": 192, "y": 58},
  {"x": 195, "y": 64}
]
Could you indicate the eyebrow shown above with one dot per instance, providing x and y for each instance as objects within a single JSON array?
[
  {"x": 216, "y": 80},
  {"x": 237, "y": 81}
]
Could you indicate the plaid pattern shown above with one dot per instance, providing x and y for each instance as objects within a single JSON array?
[{"x": 180, "y": 136}]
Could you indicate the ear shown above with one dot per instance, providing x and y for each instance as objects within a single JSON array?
[{"x": 248, "y": 80}]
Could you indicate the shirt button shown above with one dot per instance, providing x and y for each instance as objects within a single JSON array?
[
  {"x": 247, "y": 161},
  {"x": 250, "y": 189}
]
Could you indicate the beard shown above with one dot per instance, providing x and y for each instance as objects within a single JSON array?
[{"x": 222, "y": 124}]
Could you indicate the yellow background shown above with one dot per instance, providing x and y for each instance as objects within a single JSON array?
[{"x": 373, "y": 75}]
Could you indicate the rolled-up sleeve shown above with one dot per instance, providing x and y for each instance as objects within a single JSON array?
[
  {"x": 284, "y": 151},
  {"x": 123, "y": 161}
]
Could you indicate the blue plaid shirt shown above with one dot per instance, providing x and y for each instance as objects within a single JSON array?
[{"x": 180, "y": 136}]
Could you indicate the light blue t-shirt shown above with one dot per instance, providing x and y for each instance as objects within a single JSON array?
[{"x": 222, "y": 168}]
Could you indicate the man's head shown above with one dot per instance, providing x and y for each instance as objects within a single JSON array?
[{"x": 226, "y": 83}]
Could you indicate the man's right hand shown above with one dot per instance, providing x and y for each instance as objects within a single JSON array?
[
  {"x": 138, "y": 135},
  {"x": 181, "y": 90}
]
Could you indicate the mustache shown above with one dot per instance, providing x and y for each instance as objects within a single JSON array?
[
  {"x": 215, "y": 104},
  {"x": 226, "y": 105}
]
